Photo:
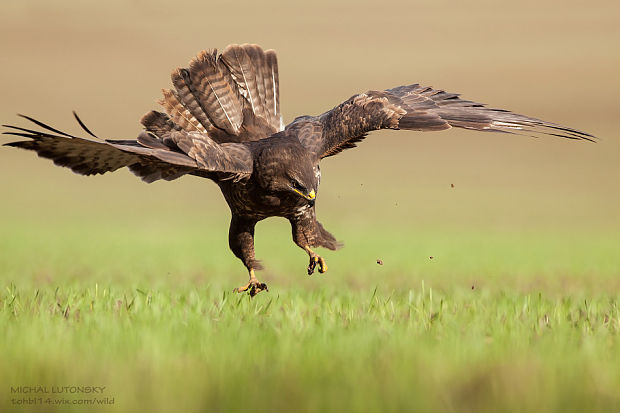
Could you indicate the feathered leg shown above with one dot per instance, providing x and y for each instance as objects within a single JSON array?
[
  {"x": 307, "y": 233},
  {"x": 241, "y": 242}
]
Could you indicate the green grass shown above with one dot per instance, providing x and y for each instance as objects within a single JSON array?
[
  {"x": 497, "y": 320},
  {"x": 105, "y": 281},
  {"x": 109, "y": 282}
]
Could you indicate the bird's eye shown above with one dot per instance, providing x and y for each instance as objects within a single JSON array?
[{"x": 296, "y": 185}]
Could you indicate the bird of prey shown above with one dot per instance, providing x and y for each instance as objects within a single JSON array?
[{"x": 222, "y": 121}]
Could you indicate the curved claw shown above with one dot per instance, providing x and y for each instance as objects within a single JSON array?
[
  {"x": 257, "y": 288},
  {"x": 253, "y": 286},
  {"x": 252, "y": 289},
  {"x": 314, "y": 260}
]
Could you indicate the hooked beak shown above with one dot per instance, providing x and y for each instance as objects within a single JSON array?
[{"x": 309, "y": 196}]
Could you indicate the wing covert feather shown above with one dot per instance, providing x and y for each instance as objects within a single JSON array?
[{"x": 162, "y": 151}]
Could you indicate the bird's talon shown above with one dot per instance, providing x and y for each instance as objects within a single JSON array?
[
  {"x": 253, "y": 287},
  {"x": 311, "y": 267},
  {"x": 314, "y": 261},
  {"x": 257, "y": 288}
]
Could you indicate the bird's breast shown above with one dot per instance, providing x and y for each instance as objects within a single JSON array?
[{"x": 249, "y": 200}]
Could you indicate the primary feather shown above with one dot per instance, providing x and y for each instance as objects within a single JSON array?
[{"x": 418, "y": 108}]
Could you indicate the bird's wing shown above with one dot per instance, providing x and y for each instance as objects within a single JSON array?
[
  {"x": 148, "y": 157},
  {"x": 413, "y": 108},
  {"x": 161, "y": 132},
  {"x": 232, "y": 97}
]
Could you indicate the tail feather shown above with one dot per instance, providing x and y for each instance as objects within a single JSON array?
[
  {"x": 268, "y": 85},
  {"x": 187, "y": 97},
  {"x": 265, "y": 65},
  {"x": 159, "y": 123},
  {"x": 256, "y": 57},
  {"x": 215, "y": 94},
  {"x": 179, "y": 113},
  {"x": 242, "y": 71},
  {"x": 272, "y": 62}
]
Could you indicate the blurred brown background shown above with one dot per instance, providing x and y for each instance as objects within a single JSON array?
[{"x": 559, "y": 61}]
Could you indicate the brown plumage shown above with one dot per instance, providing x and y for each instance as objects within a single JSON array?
[{"x": 222, "y": 121}]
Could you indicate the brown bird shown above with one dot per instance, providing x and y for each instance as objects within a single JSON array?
[{"x": 222, "y": 121}]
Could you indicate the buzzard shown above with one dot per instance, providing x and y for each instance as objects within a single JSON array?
[{"x": 222, "y": 121}]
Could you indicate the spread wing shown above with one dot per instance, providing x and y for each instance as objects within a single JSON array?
[
  {"x": 413, "y": 108},
  {"x": 218, "y": 102},
  {"x": 178, "y": 153}
]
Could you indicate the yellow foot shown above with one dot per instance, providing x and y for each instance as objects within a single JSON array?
[
  {"x": 253, "y": 287},
  {"x": 314, "y": 260}
]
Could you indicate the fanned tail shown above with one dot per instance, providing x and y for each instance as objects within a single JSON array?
[{"x": 233, "y": 97}]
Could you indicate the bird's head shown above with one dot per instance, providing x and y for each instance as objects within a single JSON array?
[{"x": 288, "y": 169}]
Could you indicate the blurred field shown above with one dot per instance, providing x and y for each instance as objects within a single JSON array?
[{"x": 108, "y": 281}]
